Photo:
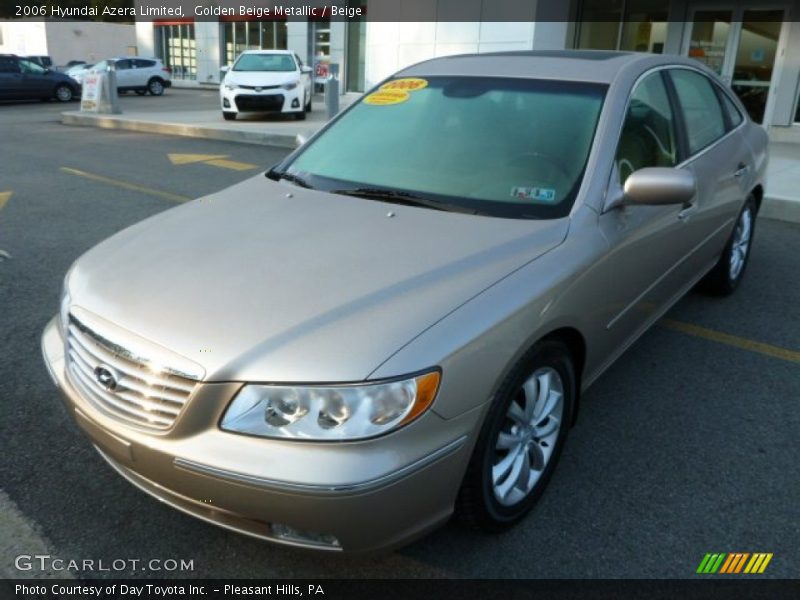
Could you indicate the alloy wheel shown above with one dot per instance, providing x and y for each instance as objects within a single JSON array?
[
  {"x": 528, "y": 436},
  {"x": 740, "y": 244}
]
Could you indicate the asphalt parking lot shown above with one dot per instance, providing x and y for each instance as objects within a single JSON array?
[{"x": 687, "y": 445}]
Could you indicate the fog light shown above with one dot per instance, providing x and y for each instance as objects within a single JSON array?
[
  {"x": 226, "y": 103},
  {"x": 295, "y": 103},
  {"x": 290, "y": 534}
]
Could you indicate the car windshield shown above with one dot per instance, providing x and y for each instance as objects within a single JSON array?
[
  {"x": 264, "y": 62},
  {"x": 497, "y": 146}
]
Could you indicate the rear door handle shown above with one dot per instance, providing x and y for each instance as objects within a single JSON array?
[{"x": 741, "y": 169}]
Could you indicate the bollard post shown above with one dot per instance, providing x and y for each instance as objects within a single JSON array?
[
  {"x": 332, "y": 91},
  {"x": 111, "y": 88}
]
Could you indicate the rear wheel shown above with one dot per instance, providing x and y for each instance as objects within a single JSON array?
[
  {"x": 229, "y": 116},
  {"x": 726, "y": 275},
  {"x": 521, "y": 439},
  {"x": 155, "y": 86},
  {"x": 63, "y": 93}
]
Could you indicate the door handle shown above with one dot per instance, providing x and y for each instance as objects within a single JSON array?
[{"x": 741, "y": 169}]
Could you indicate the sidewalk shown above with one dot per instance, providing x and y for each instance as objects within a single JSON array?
[
  {"x": 782, "y": 196},
  {"x": 196, "y": 113}
]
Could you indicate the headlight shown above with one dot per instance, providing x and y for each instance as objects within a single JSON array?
[
  {"x": 290, "y": 86},
  {"x": 231, "y": 86},
  {"x": 346, "y": 412}
]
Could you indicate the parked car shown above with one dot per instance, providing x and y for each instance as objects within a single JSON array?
[
  {"x": 21, "y": 78},
  {"x": 399, "y": 320},
  {"x": 78, "y": 72},
  {"x": 70, "y": 65},
  {"x": 41, "y": 60},
  {"x": 273, "y": 81},
  {"x": 140, "y": 75}
]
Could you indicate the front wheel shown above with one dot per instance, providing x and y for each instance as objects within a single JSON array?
[
  {"x": 155, "y": 87},
  {"x": 300, "y": 116},
  {"x": 64, "y": 93},
  {"x": 726, "y": 275},
  {"x": 521, "y": 439},
  {"x": 229, "y": 116}
]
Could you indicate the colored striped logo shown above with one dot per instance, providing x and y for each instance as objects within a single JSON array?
[{"x": 734, "y": 562}]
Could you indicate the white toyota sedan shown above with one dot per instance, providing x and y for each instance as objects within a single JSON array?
[{"x": 263, "y": 81}]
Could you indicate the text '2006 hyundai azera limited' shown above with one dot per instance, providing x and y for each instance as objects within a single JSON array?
[{"x": 396, "y": 323}]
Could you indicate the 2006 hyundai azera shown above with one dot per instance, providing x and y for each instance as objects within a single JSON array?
[{"x": 397, "y": 322}]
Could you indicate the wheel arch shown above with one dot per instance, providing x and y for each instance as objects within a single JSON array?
[{"x": 576, "y": 344}]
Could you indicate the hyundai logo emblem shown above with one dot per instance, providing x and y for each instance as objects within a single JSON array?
[
  {"x": 106, "y": 377},
  {"x": 258, "y": 89}
]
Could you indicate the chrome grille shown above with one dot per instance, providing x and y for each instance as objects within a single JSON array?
[{"x": 140, "y": 395}]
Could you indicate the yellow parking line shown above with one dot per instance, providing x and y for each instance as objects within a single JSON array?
[
  {"x": 126, "y": 185},
  {"x": 732, "y": 340},
  {"x": 4, "y": 198},
  {"x": 230, "y": 164}
]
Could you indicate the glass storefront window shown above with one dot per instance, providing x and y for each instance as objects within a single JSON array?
[
  {"x": 175, "y": 46},
  {"x": 636, "y": 25},
  {"x": 709, "y": 39},
  {"x": 239, "y": 36}
]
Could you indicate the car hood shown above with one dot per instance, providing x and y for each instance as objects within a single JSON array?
[
  {"x": 266, "y": 281},
  {"x": 260, "y": 78}
]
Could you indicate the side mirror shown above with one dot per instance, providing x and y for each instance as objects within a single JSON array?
[
  {"x": 225, "y": 68},
  {"x": 306, "y": 69},
  {"x": 660, "y": 185},
  {"x": 653, "y": 186}
]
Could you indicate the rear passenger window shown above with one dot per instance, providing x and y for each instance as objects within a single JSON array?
[
  {"x": 144, "y": 64},
  {"x": 733, "y": 113},
  {"x": 701, "y": 108},
  {"x": 648, "y": 135}
]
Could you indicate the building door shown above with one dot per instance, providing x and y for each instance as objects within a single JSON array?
[{"x": 742, "y": 44}]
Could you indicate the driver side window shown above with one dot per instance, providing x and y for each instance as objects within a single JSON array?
[{"x": 648, "y": 135}]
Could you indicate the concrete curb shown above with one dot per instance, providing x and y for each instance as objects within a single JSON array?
[
  {"x": 264, "y": 138},
  {"x": 780, "y": 208}
]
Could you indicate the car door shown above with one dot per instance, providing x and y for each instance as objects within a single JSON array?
[
  {"x": 125, "y": 73},
  {"x": 144, "y": 70},
  {"x": 642, "y": 270},
  {"x": 36, "y": 80},
  {"x": 719, "y": 158},
  {"x": 10, "y": 78}
]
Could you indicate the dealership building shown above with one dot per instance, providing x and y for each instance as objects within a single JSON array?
[{"x": 753, "y": 45}]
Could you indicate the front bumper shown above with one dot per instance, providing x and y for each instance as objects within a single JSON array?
[
  {"x": 276, "y": 100},
  {"x": 369, "y": 495}
]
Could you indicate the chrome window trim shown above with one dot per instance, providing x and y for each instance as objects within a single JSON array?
[{"x": 279, "y": 485}]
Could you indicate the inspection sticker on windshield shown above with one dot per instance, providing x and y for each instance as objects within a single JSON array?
[
  {"x": 539, "y": 194},
  {"x": 407, "y": 84},
  {"x": 386, "y": 97}
]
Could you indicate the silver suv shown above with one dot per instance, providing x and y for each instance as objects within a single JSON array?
[{"x": 140, "y": 75}]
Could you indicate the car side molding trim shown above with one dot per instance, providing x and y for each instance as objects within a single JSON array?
[{"x": 287, "y": 486}]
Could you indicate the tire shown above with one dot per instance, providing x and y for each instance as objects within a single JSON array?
[
  {"x": 140, "y": 92},
  {"x": 229, "y": 116},
  {"x": 64, "y": 93},
  {"x": 300, "y": 116},
  {"x": 727, "y": 274},
  {"x": 155, "y": 86},
  {"x": 493, "y": 496},
  {"x": 307, "y": 107}
]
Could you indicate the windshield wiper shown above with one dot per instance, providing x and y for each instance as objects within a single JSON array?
[
  {"x": 407, "y": 198},
  {"x": 295, "y": 179}
]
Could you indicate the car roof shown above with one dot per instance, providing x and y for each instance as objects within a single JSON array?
[
  {"x": 268, "y": 52},
  {"x": 597, "y": 66}
]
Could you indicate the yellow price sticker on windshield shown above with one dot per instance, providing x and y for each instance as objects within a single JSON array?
[
  {"x": 386, "y": 97},
  {"x": 407, "y": 84}
]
